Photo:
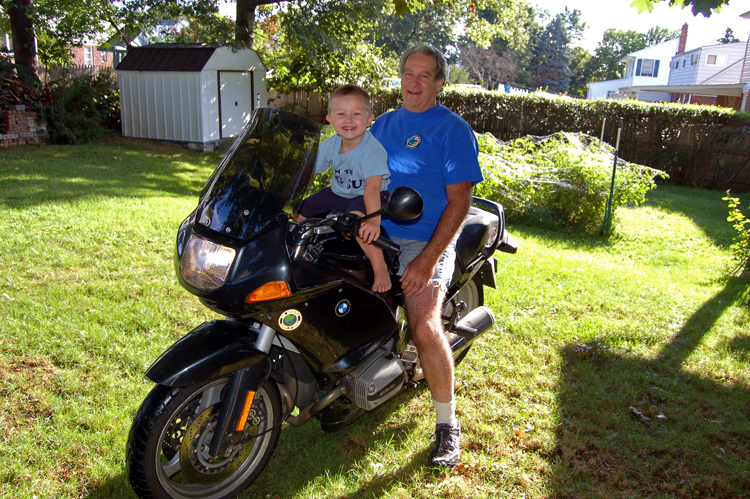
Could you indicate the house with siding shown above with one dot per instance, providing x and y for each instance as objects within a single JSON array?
[
  {"x": 710, "y": 74},
  {"x": 645, "y": 68}
]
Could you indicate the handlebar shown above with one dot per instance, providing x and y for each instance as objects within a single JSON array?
[{"x": 387, "y": 245}]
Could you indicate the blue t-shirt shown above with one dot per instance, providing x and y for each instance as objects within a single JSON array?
[
  {"x": 427, "y": 151},
  {"x": 351, "y": 169}
]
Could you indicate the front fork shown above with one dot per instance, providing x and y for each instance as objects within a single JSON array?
[{"x": 239, "y": 394}]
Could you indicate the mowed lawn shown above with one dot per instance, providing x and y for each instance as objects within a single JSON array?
[{"x": 618, "y": 367}]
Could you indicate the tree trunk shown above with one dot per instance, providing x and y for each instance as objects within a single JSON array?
[
  {"x": 22, "y": 28},
  {"x": 245, "y": 22}
]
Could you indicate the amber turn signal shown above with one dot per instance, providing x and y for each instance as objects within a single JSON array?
[{"x": 269, "y": 291}]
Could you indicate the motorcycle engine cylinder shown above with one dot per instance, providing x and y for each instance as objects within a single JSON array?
[{"x": 378, "y": 379}]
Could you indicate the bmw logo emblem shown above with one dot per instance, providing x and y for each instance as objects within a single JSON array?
[{"x": 342, "y": 308}]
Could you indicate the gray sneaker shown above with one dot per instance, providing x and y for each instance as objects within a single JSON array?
[{"x": 446, "y": 452}]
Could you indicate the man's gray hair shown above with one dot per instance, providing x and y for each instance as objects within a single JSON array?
[{"x": 441, "y": 72}]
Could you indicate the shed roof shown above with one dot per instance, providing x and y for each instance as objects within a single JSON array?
[{"x": 167, "y": 57}]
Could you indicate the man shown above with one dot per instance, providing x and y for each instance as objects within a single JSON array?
[{"x": 433, "y": 150}]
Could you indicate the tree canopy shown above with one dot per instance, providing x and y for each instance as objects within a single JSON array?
[{"x": 705, "y": 7}]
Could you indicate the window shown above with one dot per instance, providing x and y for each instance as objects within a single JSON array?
[
  {"x": 88, "y": 55},
  {"x": 716, "y": 60},
  {"x": 647, "y": 67},
  {"x": 104, "y": 56}
]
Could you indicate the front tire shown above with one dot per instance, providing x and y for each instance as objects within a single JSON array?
[{"x": 167, "y": 446}]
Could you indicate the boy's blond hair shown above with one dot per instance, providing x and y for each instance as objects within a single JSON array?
[{"x": 350, "y": 89}]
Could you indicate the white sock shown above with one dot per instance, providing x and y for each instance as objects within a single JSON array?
[{"x": 445, "y": 412}]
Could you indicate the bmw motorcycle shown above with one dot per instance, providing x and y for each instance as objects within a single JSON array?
[{"x": 303, "y": 335}]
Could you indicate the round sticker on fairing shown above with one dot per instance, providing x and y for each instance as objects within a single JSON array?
[
  {"x": 342, "y": 308},
  {"x": 291, "y": 319}
]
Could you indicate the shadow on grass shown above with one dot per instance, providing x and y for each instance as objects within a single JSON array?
[
  {"x": 306, "y": 453},
  {"x": 111, "y": 168},
  {"x": 703, "y": 206},
  {"x": 636, "y": 427}
]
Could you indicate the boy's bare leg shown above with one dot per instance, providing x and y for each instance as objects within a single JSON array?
[{"x": 382, "y": 281}]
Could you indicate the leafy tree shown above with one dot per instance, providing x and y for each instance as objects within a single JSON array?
[
  {"x": 489, "y": 67},
  {"x": 616, "y": 44},
  {"x": 434, "y": 25},
  {"x": 550, "y": 63},
  {"x": 705, "y": 7},
  {"x": 323, "y": 48},
  {"x": 728, "y": 37},
  {"x": 580, "y": 66}
]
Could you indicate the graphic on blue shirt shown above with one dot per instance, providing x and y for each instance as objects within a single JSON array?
[
  {"x": 413, "y": 142},
  {"x": 444, "y": 152}
]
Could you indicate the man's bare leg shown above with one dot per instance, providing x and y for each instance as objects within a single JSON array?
[{"x": 425, "y": 322}]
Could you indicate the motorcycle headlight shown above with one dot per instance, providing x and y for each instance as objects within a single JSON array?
[{"x": 205, "y": 264}]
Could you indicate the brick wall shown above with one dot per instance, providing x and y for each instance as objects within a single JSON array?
[
  {"x": 19, "y": 127},
  {"x": 79, "y": 58}
]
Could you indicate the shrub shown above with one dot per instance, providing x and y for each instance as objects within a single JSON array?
[
  {"x": 562, "y": 180},
  {"x": 81, "y": 109},
  {"x": 741, "y": 247},
  {"x": 696, "y": 145}
]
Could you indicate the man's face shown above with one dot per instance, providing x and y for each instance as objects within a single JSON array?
[{"x": 419, "y": 87}]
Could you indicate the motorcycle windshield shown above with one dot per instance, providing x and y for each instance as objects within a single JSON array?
[{"x": 265, "y": 173}]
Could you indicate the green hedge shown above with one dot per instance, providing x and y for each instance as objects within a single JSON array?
[{"x": 696, "y": 145}]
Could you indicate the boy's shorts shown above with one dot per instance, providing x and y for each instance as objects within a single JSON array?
[
  {"x": 325, "y": 200},
  {"x": 443, "y": 275}
]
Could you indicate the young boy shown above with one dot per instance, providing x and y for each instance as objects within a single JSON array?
[{"x": 360, "y": 179}]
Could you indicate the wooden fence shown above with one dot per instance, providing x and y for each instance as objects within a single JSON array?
[{"x": 74, "y": 70}]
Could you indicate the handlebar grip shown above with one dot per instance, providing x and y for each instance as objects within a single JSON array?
[{"x": 387, "y": 245}]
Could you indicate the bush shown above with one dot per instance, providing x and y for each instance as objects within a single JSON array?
[
  {"x": 695, "y": 145},
  {"x": 560, "y": 181},
  {"x": 81, "y": 109},
  {"x": 741, "y": 247}
]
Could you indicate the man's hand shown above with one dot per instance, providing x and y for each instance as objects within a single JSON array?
[{"x": 417, "y": 276}]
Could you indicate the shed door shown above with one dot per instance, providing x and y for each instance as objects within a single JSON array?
[{"x": 236, "y": 101}]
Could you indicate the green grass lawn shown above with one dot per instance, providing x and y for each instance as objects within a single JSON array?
[{"x": 617, "y": 368}]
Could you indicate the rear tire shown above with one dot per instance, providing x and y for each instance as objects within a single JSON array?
[
  {"x": 472, "y": 294},
  {"x": 167, "y": 446}
]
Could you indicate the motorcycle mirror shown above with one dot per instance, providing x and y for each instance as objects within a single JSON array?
[{"x": 405, "y": 203}]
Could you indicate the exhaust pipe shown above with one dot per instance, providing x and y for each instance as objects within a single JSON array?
[
  {"x": 475, "y": 323},
  {"x": 312, "y": 409},
  {"x": 470, "y": 328}
]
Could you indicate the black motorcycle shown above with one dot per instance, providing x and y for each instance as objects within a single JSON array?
[{"x": 304, "y": 335}]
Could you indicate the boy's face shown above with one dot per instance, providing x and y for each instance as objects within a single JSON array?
[{"x": 349, "y": 116}]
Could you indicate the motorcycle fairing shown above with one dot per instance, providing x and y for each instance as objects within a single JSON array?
[
  {"x": 332, "y": 343},
  {"x": 211, "y": 350}
]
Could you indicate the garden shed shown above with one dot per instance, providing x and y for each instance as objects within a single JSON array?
[{"x": 193, "y": 94}]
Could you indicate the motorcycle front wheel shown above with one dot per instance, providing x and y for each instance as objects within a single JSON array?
[{"x": 167, "y": 453}]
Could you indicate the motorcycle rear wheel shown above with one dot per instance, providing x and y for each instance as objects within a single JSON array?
[
  {"x": 168, "y": 442},
  {"x": 472, "y": 294}
]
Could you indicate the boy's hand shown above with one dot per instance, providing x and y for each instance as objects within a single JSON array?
[{"x": 369, "y": 232}]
